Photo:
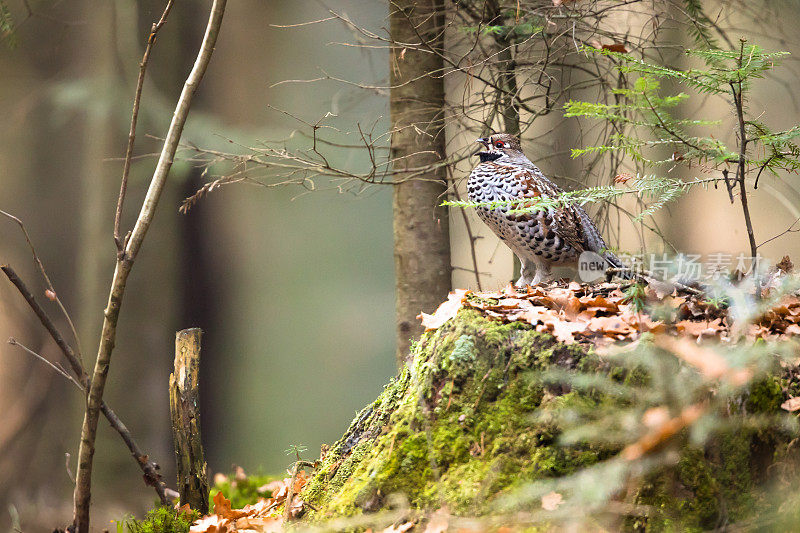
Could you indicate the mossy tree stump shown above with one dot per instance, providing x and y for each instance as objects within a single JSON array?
[{"x": 463, "y": 424}]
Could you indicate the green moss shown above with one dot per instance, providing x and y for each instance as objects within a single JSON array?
[
  {"x": 454, "y": 427},
  {"x": 765, "y": 396},
  {"x": 707, "y": 484},
  {"x": 462, "y": 425},
  {"x": 463, "y": 350},
  {"x": 242, "y": 490},
  {"x": 160, "y": 520}
]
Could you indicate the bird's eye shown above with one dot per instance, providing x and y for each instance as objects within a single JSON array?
[{"x": 500, "y": 144}]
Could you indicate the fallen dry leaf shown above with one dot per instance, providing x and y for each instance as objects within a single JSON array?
[
  {"x": 594, "y": 314},
  {"x": 260, "y": 525},
  {"x": 616, "y": 47},
  {"x": 565, "y": 331},
  {"x": 211, "y": 524},
  {"x": 791, "y": 405},
  {"x": 273, "y": 487},
  {"x": 660, "y": 434},
  {"x": 297, "y": 507},
  {"x": 566, "y": 301},
  {"x": 222, "y": 507},
  {"x": 785, "y": 265},
  {"x": 183, "y": 509},
  {"x": 661, "y": 289},
  {"x": 439, "y": 521},
  {"x": 260, "y": 517},
  {"x": 551, "y": 501},
  {"x": 624, "y": 177},
  {"x": 699, "y": 329},
  {"x": 610, "y": 326},
  {"x": 300, "y": 481},
  {"x": 445, "y": 312},
  {"x": 655, "y": 417},
  {"x": 600, "y": 303},
  {"x": 533, "y": 315},
  {"x": 400, "y": 528}
]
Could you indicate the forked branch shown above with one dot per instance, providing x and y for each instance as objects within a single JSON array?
[
  {"x": 149, "y": 468},
  {"x": 126, "y": 167},
  {"x": 123, "y": 267}
]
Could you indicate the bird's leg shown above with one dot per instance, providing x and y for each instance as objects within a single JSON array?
[
  {"x": 528, "y": 273},
  {"x": 543, "y": 273}
]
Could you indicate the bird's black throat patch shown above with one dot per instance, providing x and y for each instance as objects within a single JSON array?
[{"x": 488, "y": 156}]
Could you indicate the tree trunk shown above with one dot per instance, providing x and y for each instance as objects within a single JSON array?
[{"x": 421, "y": 227}]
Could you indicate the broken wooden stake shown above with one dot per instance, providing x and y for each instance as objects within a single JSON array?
[{"x": 184, "y": 402}]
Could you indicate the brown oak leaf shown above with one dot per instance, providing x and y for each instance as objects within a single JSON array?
[
  {"x": 446, "y": 311},
  {"x": 222, "y": 508},
  {"x": 791, "y": 405},
  {"x": 551, "y": 501},
  {"x": 616, "y": 47},
  {"x": 211, "y": 524}
]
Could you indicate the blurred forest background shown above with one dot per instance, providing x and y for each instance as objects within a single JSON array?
[
  {"x": 294, "y": 292},
  {"x": 294, "y": 289}
]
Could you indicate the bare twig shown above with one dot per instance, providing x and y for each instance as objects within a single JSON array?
[
  {"x": 729, "y": 184},
  {"x": 763, "y": 166},
  {"x": 134, "y": 117},
  {"x": 301, "y": 23},
  {"x": 67, "y": 457},
  {"x": 53, "y": 293},
  {"x": 72, "y": 358},
  {"x": 190, "y": 201},
  {"x": 646, "y": 276},
  {"x": 149, "y": 468},
  {"x": 741, "y": 173},
  {"x": 472, "y": 238},
  {"x": 124, "y": 264},
  {"x": 287, "y": 510},
  {"x": 790, "y": 229},
  {"x": 56, "y": 368}
]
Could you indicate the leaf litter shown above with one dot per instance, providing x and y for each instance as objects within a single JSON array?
[
  {"x": 602, "y": 314},
  {"x": 265, "y": 516}
]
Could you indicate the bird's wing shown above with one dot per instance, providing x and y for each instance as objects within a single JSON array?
[
  {"x": 567, "y": 222},
  {"x": 517, "y": 182}
]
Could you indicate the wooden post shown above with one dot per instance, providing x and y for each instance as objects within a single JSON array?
[{"x": 184, "y": 402}]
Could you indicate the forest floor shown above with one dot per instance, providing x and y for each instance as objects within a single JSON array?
[{"x": 613, "y": 405}]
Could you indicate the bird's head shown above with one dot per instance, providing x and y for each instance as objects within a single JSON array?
[{"x": 500, "y": 146}]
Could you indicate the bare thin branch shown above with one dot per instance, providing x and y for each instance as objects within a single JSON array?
[
  {"x": 149, "y": 468},
  {"x": 124, "y": 264},
  {"x": 53, "y": 291},
  {"x": 134, "y": 117},
  {"x": 55, "y": 367}
]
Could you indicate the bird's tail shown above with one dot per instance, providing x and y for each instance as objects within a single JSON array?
[{"x": 613, "y": 261}]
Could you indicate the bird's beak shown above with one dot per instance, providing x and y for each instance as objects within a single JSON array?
[{"x": 484, "y": 142}]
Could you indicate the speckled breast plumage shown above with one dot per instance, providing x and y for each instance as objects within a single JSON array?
[{"x": 542, "y": 236}]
